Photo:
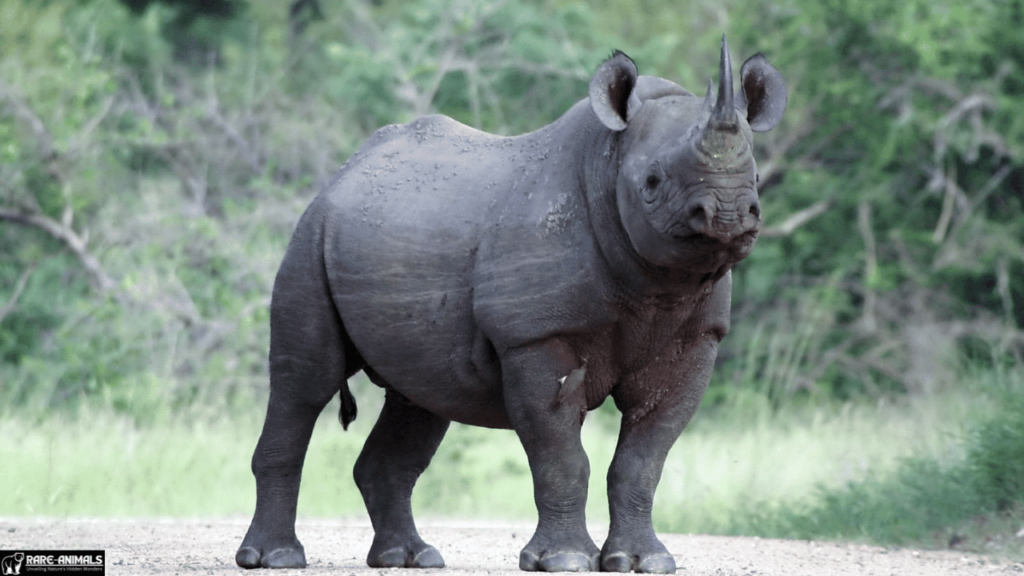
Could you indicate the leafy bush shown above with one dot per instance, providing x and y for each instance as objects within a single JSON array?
[
  {"x": 148, "y": 194},
  {"x": 925, "y": 500},
  {"x": 901, "y": 141}
]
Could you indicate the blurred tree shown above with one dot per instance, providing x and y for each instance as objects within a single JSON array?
[
  {"x": 194, "y": 8},
  {"x": 194, "y": 28},
  {"x": 148, "y": 189},
  {"x": 903, "y": 139},
  {"x": 302, "y": 13}
]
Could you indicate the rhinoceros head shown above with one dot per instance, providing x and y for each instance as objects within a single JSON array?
[{"x": 686, "y": 185}]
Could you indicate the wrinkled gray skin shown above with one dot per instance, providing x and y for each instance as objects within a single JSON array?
[{"x": 517, "y": 283}]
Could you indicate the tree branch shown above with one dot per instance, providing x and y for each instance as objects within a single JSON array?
[
  {"x": 57, "y": 160},
  {"x": 948, "y": 202},
  {"x": 77, "y": 244},
  {"x": 870, "y": 266},
  {"x": 27, "y": 115},
  {"x": 83, "y": 138},
  {"x": 213, "y": 113},
  {"x": 98, "y": 277},
  {"x": 797, "y": 219},
  {"x": 19, "y": 287},
  {"x": 775, "y": 162}
]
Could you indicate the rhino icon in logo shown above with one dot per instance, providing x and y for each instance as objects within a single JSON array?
[{"x": 11, "y": 565}]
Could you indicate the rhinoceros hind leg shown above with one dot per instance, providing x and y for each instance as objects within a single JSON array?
[
  {"x": 311, "y": 356},
  {"x": 397, "y": 451},
  {"x": 277, "y": 466}
]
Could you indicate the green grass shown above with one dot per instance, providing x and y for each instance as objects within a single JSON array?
[
  {"x": 971, "y": 498},
  {"x": 104, "y": 466},
  {"x": 720, "y": 467},
  {"x": 924, "y": 472}
]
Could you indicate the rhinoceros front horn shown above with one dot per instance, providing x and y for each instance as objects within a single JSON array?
[
  {"x": 724, "y": 115},
  {"x": 722, "y": 132}
]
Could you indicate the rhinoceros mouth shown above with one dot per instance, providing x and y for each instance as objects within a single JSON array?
[
  {"x": 702, "y": 251},
  {"x": 703, "y": 242}
]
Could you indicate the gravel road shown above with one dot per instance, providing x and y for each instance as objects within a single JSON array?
[{"x": 175, "y": 546}]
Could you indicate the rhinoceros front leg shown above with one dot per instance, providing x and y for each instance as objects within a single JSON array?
[
  {"x": 632, "y": 479},
  {"x": 397, "y": 451},
  {"x": 655, "y": 412},
  {"x": 550, "y": 434}
]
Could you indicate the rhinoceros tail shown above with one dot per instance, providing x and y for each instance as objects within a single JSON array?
[{"x": 348, "y": 411}]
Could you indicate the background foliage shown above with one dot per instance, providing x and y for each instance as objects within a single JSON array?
[{"x": 155, "y": 156}]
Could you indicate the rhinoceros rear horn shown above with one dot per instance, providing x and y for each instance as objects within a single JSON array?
[{"x": 611, "y": 91}]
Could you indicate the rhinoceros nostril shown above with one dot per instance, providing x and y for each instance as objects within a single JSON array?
[
  {"x": 700, "y": 217},
  {"x": 755, "y": 210},
  {"x": 700, "y": 214}
]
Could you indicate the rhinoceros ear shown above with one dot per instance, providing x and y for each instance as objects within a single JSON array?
[
  {"x": 764, "y": 94},
  {"x": 611, "y": 91}
]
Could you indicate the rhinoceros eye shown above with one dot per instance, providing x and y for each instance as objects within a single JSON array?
[{"x": 654, "y": 179}]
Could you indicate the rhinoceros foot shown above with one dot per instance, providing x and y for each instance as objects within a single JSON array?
[
  {"x": 557, "y": 562},
  {"x": 649, "y": 557},
  {"x": 416, "y": 555},
  {"x": 578, "y": 554},
  {"x": 653, "y": 564},
  {"x": 284, "y": 557}
]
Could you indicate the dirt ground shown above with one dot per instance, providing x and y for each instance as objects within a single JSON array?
[{"x": 175, "y": 546}]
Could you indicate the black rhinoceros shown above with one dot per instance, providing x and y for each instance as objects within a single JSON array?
[{"x": 517, "y": 282}]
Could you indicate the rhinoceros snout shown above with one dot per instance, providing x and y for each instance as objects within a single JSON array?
[{"x": 708, "y": 217}]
